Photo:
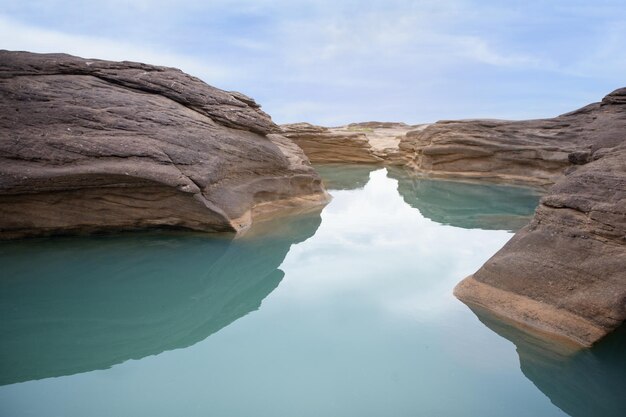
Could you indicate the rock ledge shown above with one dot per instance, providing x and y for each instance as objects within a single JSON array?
[{"x": 89, "y": 145}]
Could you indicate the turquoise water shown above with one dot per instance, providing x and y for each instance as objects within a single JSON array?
[{"x": 347, "y": 312}]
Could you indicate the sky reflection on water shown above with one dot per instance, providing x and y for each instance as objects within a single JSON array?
[{"x": 347, "y": 314}]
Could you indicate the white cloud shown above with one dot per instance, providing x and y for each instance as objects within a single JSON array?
[
  {"x": 19, "y": 36},
  {"x": 479, "y": 50},
  {"x": 393, "y": 35}
]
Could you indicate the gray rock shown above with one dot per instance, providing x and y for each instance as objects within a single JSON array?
[{"x": 89, "y": 145}]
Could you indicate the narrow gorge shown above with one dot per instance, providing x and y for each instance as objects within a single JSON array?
[
  {"x": 564, "y": 274},
  {"x": 91, "y": 146}
]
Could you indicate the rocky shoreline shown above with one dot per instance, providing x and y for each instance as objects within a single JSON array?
[
  {"x": 564, "y": 274},
  {"x": 90, "y": 146}
]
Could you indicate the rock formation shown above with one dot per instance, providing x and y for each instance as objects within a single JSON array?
[
  {"x": 565, "y": 273},
  {"x": 90, "y": 145},
  {"x": 369, "y": 142},
  {"x": 581, "y": 382},
  {"x": 530, "y": 151}
]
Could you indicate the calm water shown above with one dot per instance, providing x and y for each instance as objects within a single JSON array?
[{"x": 347, "y": 312}]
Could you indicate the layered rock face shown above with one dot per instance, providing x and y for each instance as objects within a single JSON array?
[
  {"x": 91, "y": 145},
  {"x": 532, "y": 151},
  {"x": 368, "y": 143},
  {"x": 581, "y": 382},
  {"x": 565, "y": 273}
]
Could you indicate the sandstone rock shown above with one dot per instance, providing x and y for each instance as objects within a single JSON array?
[
  {"x": 565, "y": 273},
  {"x": 531, "y": 151},
  {"x": 469, "y": 205},
  {"x": 89, "y": 145},
  {"x": 322, "y": 145},
  {"x": 364, "y": 143}
]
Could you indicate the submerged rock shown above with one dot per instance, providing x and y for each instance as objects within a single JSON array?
[
  {"x": 91, "y": 145},
  {"x": 581, "y": 382}
]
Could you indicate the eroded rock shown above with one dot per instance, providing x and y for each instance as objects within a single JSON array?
[
  {"x": 565, "y": 273},
  {"x": 362, "y": 143},
  {"x": 530, "y": 151},
  {"x": 89, "y": 145}
]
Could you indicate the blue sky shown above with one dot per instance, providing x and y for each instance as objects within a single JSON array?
[{"x": 335, "y": 62}]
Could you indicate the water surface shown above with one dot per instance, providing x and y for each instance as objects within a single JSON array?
[{"x": 347, "y": 312}]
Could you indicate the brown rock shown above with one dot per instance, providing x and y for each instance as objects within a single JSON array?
[
  {"x": 91, "y": 145},
  {"x": 565, "y": 273},
  {"x": 362, "y": 143},
  {"x": 323, "y": 145},
  {"x": 581, "y": 382},
  {"x": 469, "y": 205}
]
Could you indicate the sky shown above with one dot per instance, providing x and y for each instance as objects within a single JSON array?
[{"x": 336, "y": 62}]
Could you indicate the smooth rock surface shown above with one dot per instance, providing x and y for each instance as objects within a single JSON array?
[
  {"x": 363, "y": 143},
  {"x": 89, "y": 145},
  {"x": 581, "y": 382},
  {"x": 565, "y": 273}
]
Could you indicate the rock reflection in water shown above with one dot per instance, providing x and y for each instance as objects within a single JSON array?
[
  {"x": 582, "y": 383},
  {"x": 345, "y": 177},
  {"x": 71, "y": 305},
  {"x": 466, "y": 204}
]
